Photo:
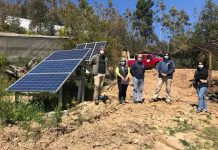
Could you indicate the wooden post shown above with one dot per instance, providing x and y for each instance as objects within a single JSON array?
[
  {"x": 128, "y": 55},
  {"x": 60, "y": 97},
  {"x": 210, "y": 67}
]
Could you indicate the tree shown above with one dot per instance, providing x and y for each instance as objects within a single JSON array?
[
  {"x": 143, "y": 20},
  {"x": 37, "y": 12},
  {"x": 4, "y": 12},
  {"x": 175, "y": 22},
  {"x": 207, "y": 26}
]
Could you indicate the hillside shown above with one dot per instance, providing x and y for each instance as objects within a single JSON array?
[{"x": 111, "y": 126}]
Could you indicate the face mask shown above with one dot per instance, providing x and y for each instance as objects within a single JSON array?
[
  {"x": 102, "y": 52},
  {"x": 200, "y": 66},
  {"x": 166, "y": 57},
  {"x": 139, "y": 59},
  {"x": 122, "y": 63}
]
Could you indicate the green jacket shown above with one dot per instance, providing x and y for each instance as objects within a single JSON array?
[{"x": 95, "y": 63}]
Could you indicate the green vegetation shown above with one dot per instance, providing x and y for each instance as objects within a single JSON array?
[
  {"x": 184, "y": 143},
  {"x": 182, "y": 126},
  {"x": 211, "y": 133}
]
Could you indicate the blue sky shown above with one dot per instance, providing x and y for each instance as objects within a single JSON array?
[{"x": 188, "y": 5}]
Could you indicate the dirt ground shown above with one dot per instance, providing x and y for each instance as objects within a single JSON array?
[{"x": 110, "y": 126}]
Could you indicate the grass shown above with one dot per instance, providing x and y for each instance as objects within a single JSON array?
[
  {"x": 182, "y": 126},
  {"x": 80, "y": 119},
  {"x": 184, "y": 143},
  {"x": 211, "y": 133}
]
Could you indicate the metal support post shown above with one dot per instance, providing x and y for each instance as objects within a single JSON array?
[{"x": 60, "y": 97}]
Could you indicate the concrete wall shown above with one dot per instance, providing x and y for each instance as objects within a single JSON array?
[{"x": 15, "y": 46}]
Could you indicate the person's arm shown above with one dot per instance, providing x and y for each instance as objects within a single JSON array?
[
  {"x": 172, "y": 68},
  {"x": 128, "y": 75},
  {"x": 159, "y": 68},
  {"x": 132, "y": 70},
  {"x": 118, "y": 72},
  {"x": 92, "y": 61}
]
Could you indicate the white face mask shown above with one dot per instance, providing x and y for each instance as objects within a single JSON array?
[
  {"x": 122, "y": 63},
  {"x": 166, "y": 57},
  {"x": 101, "y": 52},
  {"x": 200, "y": 66},
  {"x": 139, "y": 59}
]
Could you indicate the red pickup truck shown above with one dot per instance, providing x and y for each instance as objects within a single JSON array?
[{"x": 150, "y": 60}]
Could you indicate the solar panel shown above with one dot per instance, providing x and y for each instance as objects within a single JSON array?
[
  {"x": 56, "y": 66},
  {"x": 51, "y": 73},
  {"x": 39, "y": 82},
  {"x": 91, "y": 46},
  {"x": 81, "y": 46},
  {"x": 95, "y": 47},
  {"x": 66, "y": 54}
]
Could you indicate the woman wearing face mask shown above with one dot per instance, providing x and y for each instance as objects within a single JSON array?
[
  {"x": 123, "y": 74},
  {"x": 201, "y": 84}
]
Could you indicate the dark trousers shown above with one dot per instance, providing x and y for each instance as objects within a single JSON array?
[{"x": 122, "y": 91}]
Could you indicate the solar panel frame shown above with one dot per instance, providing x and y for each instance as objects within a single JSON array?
[
  {"x": 92, "y": 47},
  {"x": 83, "y": 46},
  {"x": 93, "y": 50},
  {"x": 69, "y": 73}
]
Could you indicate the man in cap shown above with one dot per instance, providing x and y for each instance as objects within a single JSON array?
[
  {"x": 138, "y": 71},
  {"x": 165, "y": 70},
  {"x": 99, "y": 70}
]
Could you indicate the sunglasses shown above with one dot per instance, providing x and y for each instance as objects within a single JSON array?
[{"x": 123, "y": 61}]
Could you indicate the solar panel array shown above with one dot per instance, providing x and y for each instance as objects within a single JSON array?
[
  {"x": 51, "y": 73},
  {"x": 95, "y": 47}
]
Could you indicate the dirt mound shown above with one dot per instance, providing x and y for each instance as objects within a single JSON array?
[{"x": 131, "y": 126}]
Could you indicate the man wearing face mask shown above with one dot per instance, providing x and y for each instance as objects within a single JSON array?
[
  {"x": 165, "y": 70},
  {"x": 123, "y": 74},
  {"x": 99, "y": 70},
  {"x": 138, "y": 73}
]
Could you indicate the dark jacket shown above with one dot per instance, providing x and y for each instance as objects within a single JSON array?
[
  {"x": 168, "y": 67},
  {"x": 201, "y": 74},
  {"x": 95, "y": 62},
  {"x": 138, "y": 70},
  {"x": 123, "y": 71}
]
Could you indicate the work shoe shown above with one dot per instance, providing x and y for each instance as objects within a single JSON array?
[
  {"x": 168, "y": 101},
  {"x": 205, "y": 111},
  {"x": 135, "y": 102},
  {"x": 96, "y": 101},
  {"x": 198, "y": 111}
]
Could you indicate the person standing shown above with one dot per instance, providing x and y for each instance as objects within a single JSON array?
[
  {"x": 123, "y": 74},
  {"x": 165, "y": 70},
  {"x": 201, "y": 84},
  {"x": 99, "y": 70},
  {"x": 138, "y": 73}
]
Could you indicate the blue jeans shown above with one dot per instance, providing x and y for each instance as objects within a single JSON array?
[
  {"x": 201, "y": 94},
  {"x": 138, "y": 85}
]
